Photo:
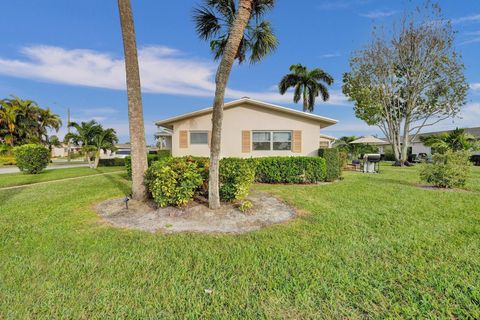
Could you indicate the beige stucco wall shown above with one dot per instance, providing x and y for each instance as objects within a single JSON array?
[{"x": 247, "y": 117}]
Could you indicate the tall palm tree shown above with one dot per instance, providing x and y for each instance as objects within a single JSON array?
[
  {"x": 307, "y": 84},
  {"x": 135, "y": 111},
  {"x": 232, "y": 31},
  {"x": 47, "y": 120}
]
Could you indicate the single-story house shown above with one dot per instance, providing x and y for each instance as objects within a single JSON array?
[
  {"x": 61, "y": 151},
  {"x": 251, "y": 128},
  {"x": 417, "y": 146},
  {"x": 326, "y": 141}
]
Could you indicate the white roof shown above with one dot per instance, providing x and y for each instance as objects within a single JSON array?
[
  {"x": 325, "y": 120},
  {"x": 327, "y": 137},
  {"x": 370, "y": 140}
]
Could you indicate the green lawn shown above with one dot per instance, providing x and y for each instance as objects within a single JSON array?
[
  {"x": 371, "y": 246},
  {"x": 13, "y": 179}
]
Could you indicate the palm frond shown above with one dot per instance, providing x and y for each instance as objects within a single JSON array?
[
  {"x": 288, "y": 81},
  {"x": 262, "y": 41},
  {"x": 297, "y": 92},
  {"x": 207, "y": 23},
  {"x": 320, "y": 75}
]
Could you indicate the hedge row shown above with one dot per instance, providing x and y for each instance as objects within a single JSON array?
[
  {"x": 112, "y": 162},
  {"x": 290, "y": 169},
  {"x": 333, "y": 163}
]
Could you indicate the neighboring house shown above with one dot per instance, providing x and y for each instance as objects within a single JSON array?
[
  {"x": 326, "y": 142},
  {"x": 62, "y": 151},
  {"x": 250, "y": 128},
  {"x": 417, "y": 146},
  {"x": 123, "y": 150}
]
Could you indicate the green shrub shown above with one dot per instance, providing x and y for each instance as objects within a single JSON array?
[
  {"x": 290, "y": 169},
  {"x": 245, "y": 206},
  {"x": 343, "y": 159},
  {"x": 112, "y": 162},
  {"x": 448, "y": 170},
  {"x": 151, "y": 158},
  {"x": 236, "y": 177},
  {"x": 31, "y": 158},
  {"x": 173, "y": 181},
  {"x": 333, "y": 163}
]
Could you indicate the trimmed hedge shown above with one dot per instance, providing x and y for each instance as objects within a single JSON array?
[
  {"x": 112, "y": 162},
  {"x": 290, "y": 169},
  {"x": 236, "y": 177},
  {"x": 333, "y": 163},
  {"x": 31, "y": 158}
]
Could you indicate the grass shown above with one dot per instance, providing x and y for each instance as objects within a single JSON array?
[
  {"x": 14, "y": 179},
  {"x": 371, "y": 246}
]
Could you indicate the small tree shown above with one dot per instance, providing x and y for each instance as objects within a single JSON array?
[
  {"x": 409, "y": 81},
  {"x": 448, "y": 170}
]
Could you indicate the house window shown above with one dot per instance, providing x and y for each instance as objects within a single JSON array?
[
  {"x": 271, "y": 140},
  {"x": 199, "y": 137},
  {"x": 282, "y": 140}
]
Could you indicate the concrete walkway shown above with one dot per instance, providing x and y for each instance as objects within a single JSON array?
[{"x": 14, "y": 169}]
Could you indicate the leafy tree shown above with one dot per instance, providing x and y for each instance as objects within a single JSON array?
[
  {"x": 23, "y": 121},
  {"x": 455, "y": 140},
  {"x": 92, "y": 138},
  {"x": 233, "y": 32},
  {"x": 307, "y": 84},
  {"x": 408, "y": 81},
  {"x": 135, "y": 110}
]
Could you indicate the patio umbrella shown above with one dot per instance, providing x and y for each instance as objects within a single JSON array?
[{"x": 369, "y": 140}]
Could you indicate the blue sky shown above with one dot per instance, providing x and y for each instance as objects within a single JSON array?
[{"x": 69, "y": 54}]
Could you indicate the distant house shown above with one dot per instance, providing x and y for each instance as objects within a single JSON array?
[
  {"x": 62, "y": 150},
  {"x": 123, "y": 150},
  {"x": 417, "y": 146},
  {"x": 326, "y": 142},
  {"x": 251, "y": 128}
]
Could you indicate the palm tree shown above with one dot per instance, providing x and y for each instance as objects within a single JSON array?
[
  {"x": 8, "y": 117},
  {"x": 307, "y": 85},
  {"x": 85, "y": 137},
  {"x": 232, "y": 33},
  {"x": 455, "y": 140},
  {"x": 92, "y": 138},
  {"x": 135, "y": 111},
  {"x": 104, "y": 141},
  {"x": 47, "y": 120}
]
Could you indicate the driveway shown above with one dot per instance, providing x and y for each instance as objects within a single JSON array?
[{"x": 50, "y": 167}]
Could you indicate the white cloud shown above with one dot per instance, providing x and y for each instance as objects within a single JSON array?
[
  {"x": 470, "y": 18},
  {"x": 329, "y": 55},
  {"x": 162, "y": 69},
  {"x": 475, "y": 86},
  {"x": 378, "y": 14}
]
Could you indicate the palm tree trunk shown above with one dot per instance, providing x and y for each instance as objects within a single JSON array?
[
  {"x": 135, "y": 111},
  {"x": 97, "y": 159},
  {"x": 223, "y": 73}
]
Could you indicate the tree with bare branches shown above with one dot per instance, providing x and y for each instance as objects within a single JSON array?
[{"x": 408, "y": 81}]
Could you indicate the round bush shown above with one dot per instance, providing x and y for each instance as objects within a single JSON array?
[
  {"x": 448, "y": 170},
  {"x": 173, "y": 181},
  {"x": 31, "y": 158}
]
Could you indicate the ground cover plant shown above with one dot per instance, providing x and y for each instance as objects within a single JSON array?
[{"x": 373, "y": 246}]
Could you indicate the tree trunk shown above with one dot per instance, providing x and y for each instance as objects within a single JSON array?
[
  {"x": 135, "y": 112},
  {"x": 221, "y": 79},
  {"x": 97, "y": 159}
]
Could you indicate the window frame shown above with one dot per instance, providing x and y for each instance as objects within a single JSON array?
[
  {"x": 272, "y": 132},
  {"x": 196, "y": 143}
]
